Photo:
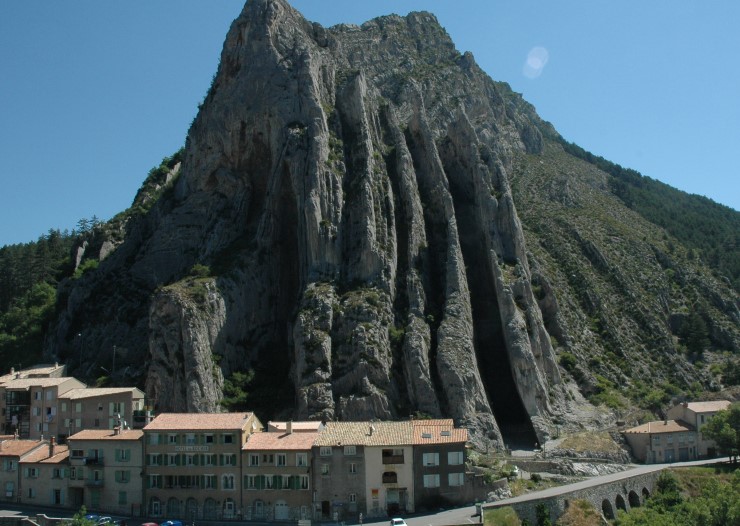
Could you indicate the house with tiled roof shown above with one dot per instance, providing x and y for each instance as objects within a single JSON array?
[
  {"x": 276, "y": 472},
  {"x": 193, "y": 464},
  {"x": 98, "y": 408},
  {"x": 663, "y": 441},
  {"x": 30, "y": 406},
  {"x": 44, "y": 475},
  {"x": 363, "y": 467},
  {"x": 698, "y": 414},
  {"x": 12, "y": 452},
  {"x": 105, "y": 467},
  {"x": 439, "y": 463}
]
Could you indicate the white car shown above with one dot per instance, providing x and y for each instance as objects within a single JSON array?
[{"x": 398, "y": 522}]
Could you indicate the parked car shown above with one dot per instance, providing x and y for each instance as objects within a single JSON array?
[
  {"x": 105, "y": 520},
  {"x": 171, "y": 523},
  {"x": 92, "y": 517},
  {"x": 398, "y": 522},
  {"x": 149, "y": 524}
]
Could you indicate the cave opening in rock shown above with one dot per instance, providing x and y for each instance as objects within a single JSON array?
[{"x": 490, "y": 346}]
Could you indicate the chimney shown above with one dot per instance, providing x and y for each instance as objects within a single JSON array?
[
  {"x": 52, "y": 446},
  {"x": 685, "y": 405},
  {"x": 12, "y": 370},
  {"x": 289, "y": 427},
  {"x": 117, "y": 430},
  {"x": 371, "y": 430}
]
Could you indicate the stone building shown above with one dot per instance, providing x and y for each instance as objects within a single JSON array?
[
  {"x": 193, "y": 464},
  {"x": 98, "y": 408},
  {"x": 439, "y": 463},
  {"x": 44, "y": 476},
  {"x": 697, "y": 414},
  {"x": 105, "y": 469},
  {"x": 663, "y": 441},
  {"x": 276, "y": 472}
]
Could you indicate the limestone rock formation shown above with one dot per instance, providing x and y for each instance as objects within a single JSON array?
[{"x": 343, "y": 223}]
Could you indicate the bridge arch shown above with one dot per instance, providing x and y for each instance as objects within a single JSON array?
[
  {"x": 634, "y": 499},
  {"x": 645, "y": 494},
  {"x": 607, "y": 509},
  {"x": 619, "y": 501}
]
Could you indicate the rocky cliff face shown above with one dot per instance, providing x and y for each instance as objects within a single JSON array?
[{"x": 343, "y": 223}]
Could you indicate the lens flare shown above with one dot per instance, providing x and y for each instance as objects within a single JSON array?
[{"x": 536, "y": 60}]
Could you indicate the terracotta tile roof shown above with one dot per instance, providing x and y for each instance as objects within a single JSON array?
[
  {"x": 661, "y": 426},
  {"x": 270, "y": 441},
  {"x": 360, "y": 434},
  {"x": 709, "y": 407},
  {"x": 25, "y": 383},
  {"x": 41, "y": 456},
  {"x": 91, "y": 392},
  {"x": 438, "y": 432},
  {"x": 198, "y": 421},
  {"x": 17, "y": 448},
  {"x": 298, "y": 427},
  {"x": 107, "y": 434}
]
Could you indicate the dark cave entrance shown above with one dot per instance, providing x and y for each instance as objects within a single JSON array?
[{"x": 490, "y": 346}]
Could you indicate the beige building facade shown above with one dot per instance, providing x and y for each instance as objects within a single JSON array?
[
  {"x": 663, "y": 441},
  {"x": 44, "y": 476},
  {"x": 97, "y": 408},
  {"x": 105, "y": 468},
  {"x": 193, "y": 465},
  {"x": 698, "y": 414},
  {"x": 12, "y": 453}
]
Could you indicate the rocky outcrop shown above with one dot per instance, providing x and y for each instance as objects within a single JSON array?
[{"x": 343, "y": 221}]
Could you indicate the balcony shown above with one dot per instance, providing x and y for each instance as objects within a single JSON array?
[
  {"x": 94, "y": 461},
  {"x": 392, "y": 459},
  {"x": 92, "y": 483}
]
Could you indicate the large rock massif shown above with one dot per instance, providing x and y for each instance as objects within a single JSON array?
[{"x": 344, "y": 223}]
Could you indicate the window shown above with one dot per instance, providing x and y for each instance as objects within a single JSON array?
[
  {"x": 173, "y": 459},
  {"x": 228, "y": 481},
  {"x": 154, "y": 460},
  {"x": 392, "y": 456},
  {"x": 190, "y": 439},
  {"x": 31, "y": 493},
  {"x": 123, "y": 476},
  {"x": 189, "y": 460},
  {"x": 172, "y": 438},
  {"x": 123, "y": 455},
  {"x": 155, "y": 481},
  {"x": 9, "y": 487},
  {"x": 100, "y": 407},
  {"x": 456, "y": 479},
  {"x": 153, "y": 439},
  {"x": 36, "y": 411},
  {"x": 77, "y": 453},
  {"x": 78, "y": 407},
  {"x": 122, "y": 498},
  {"x": 209, "y": 439},
  {"x": 49, "y": 395},
  {"x": 32, "y": 473},
  {"x": 430, "y": 459},
  {"x": 390, "y": 477},
  {"x": 228, "y": 460},
  {"x": 209, "y": 481},
  {"x": 353, "y": 468},
  {"x": 64, "y": 407},
  {"x": 670, "y": 438},
  {"x": 301, "y": 459},
  {"x": 250, "y": 481},
  {"x": 656, "y": 440},
  {"x": 57, "y": 473},
  {"x": 269, "y": 482},
  {"x": 37, "y": 395},
  {"x": 303, "y": 481},
  {"x": 280, "y": 459},
  {"x": 324, "y": 470},
  {"x": 325, "y": 451},
  {"x": 254, "y": 459},
  {"x": 228, "y": 439},
  {"x": 350, "y": 450},
  {"x": 455, "y": 458},
  {"x": 431, "y": 481},
  {"x": 116, "y": 407},
  {"x": 268, "y": 459},
  {"x": 285, "y": 482},
  {"x": 352, "y": 497},
  {"x": 209, "y": 460}
]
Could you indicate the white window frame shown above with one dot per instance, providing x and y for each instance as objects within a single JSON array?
[
  {"x": 431, "y": 480},
  {"x": 455, "y": 458},
  {"x": 430, "y": 459}
]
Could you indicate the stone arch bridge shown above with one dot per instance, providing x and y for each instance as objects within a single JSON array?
[{"x": 609, "y": 493}]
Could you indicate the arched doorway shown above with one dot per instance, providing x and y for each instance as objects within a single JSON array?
[
  {"x": 634, "y": 499},
  {"x": 607, "y": 509},
  {"x": 259, "y": 509},
  {"x": 191, "y": 509},
  {"x": 173, "y": 507},
  {"x": 155, "y": 507},
  {"x": 209, "y": 509},
  {"x": 229, "y": 509},
  {"x": 282, "y": 511}
]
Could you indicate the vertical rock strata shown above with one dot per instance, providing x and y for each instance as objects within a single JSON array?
[{"x": 347, "y": 188}]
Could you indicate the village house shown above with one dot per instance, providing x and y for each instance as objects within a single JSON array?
[
  {"x": 44, "y": 476},
  {"x": 697, "y": 414},
  {"x": 105, "y": 467},
  {"x": 276, "y": 467},
  {"x": 12, "y": 452},
  {"x": 439, "y": 464},
  {"x": 193, "y": 464},
  {"x": 30, "y": 404},
  {"x": 98, "y": 408},
  {"x": 663, "y": 441}
]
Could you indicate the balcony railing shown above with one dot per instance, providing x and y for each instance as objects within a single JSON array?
[
  {"x": 392, "y": 459},
  {"x": 94, "y": 483}
]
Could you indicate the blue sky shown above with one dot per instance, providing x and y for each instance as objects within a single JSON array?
[{"x": 93, "y": 94}]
